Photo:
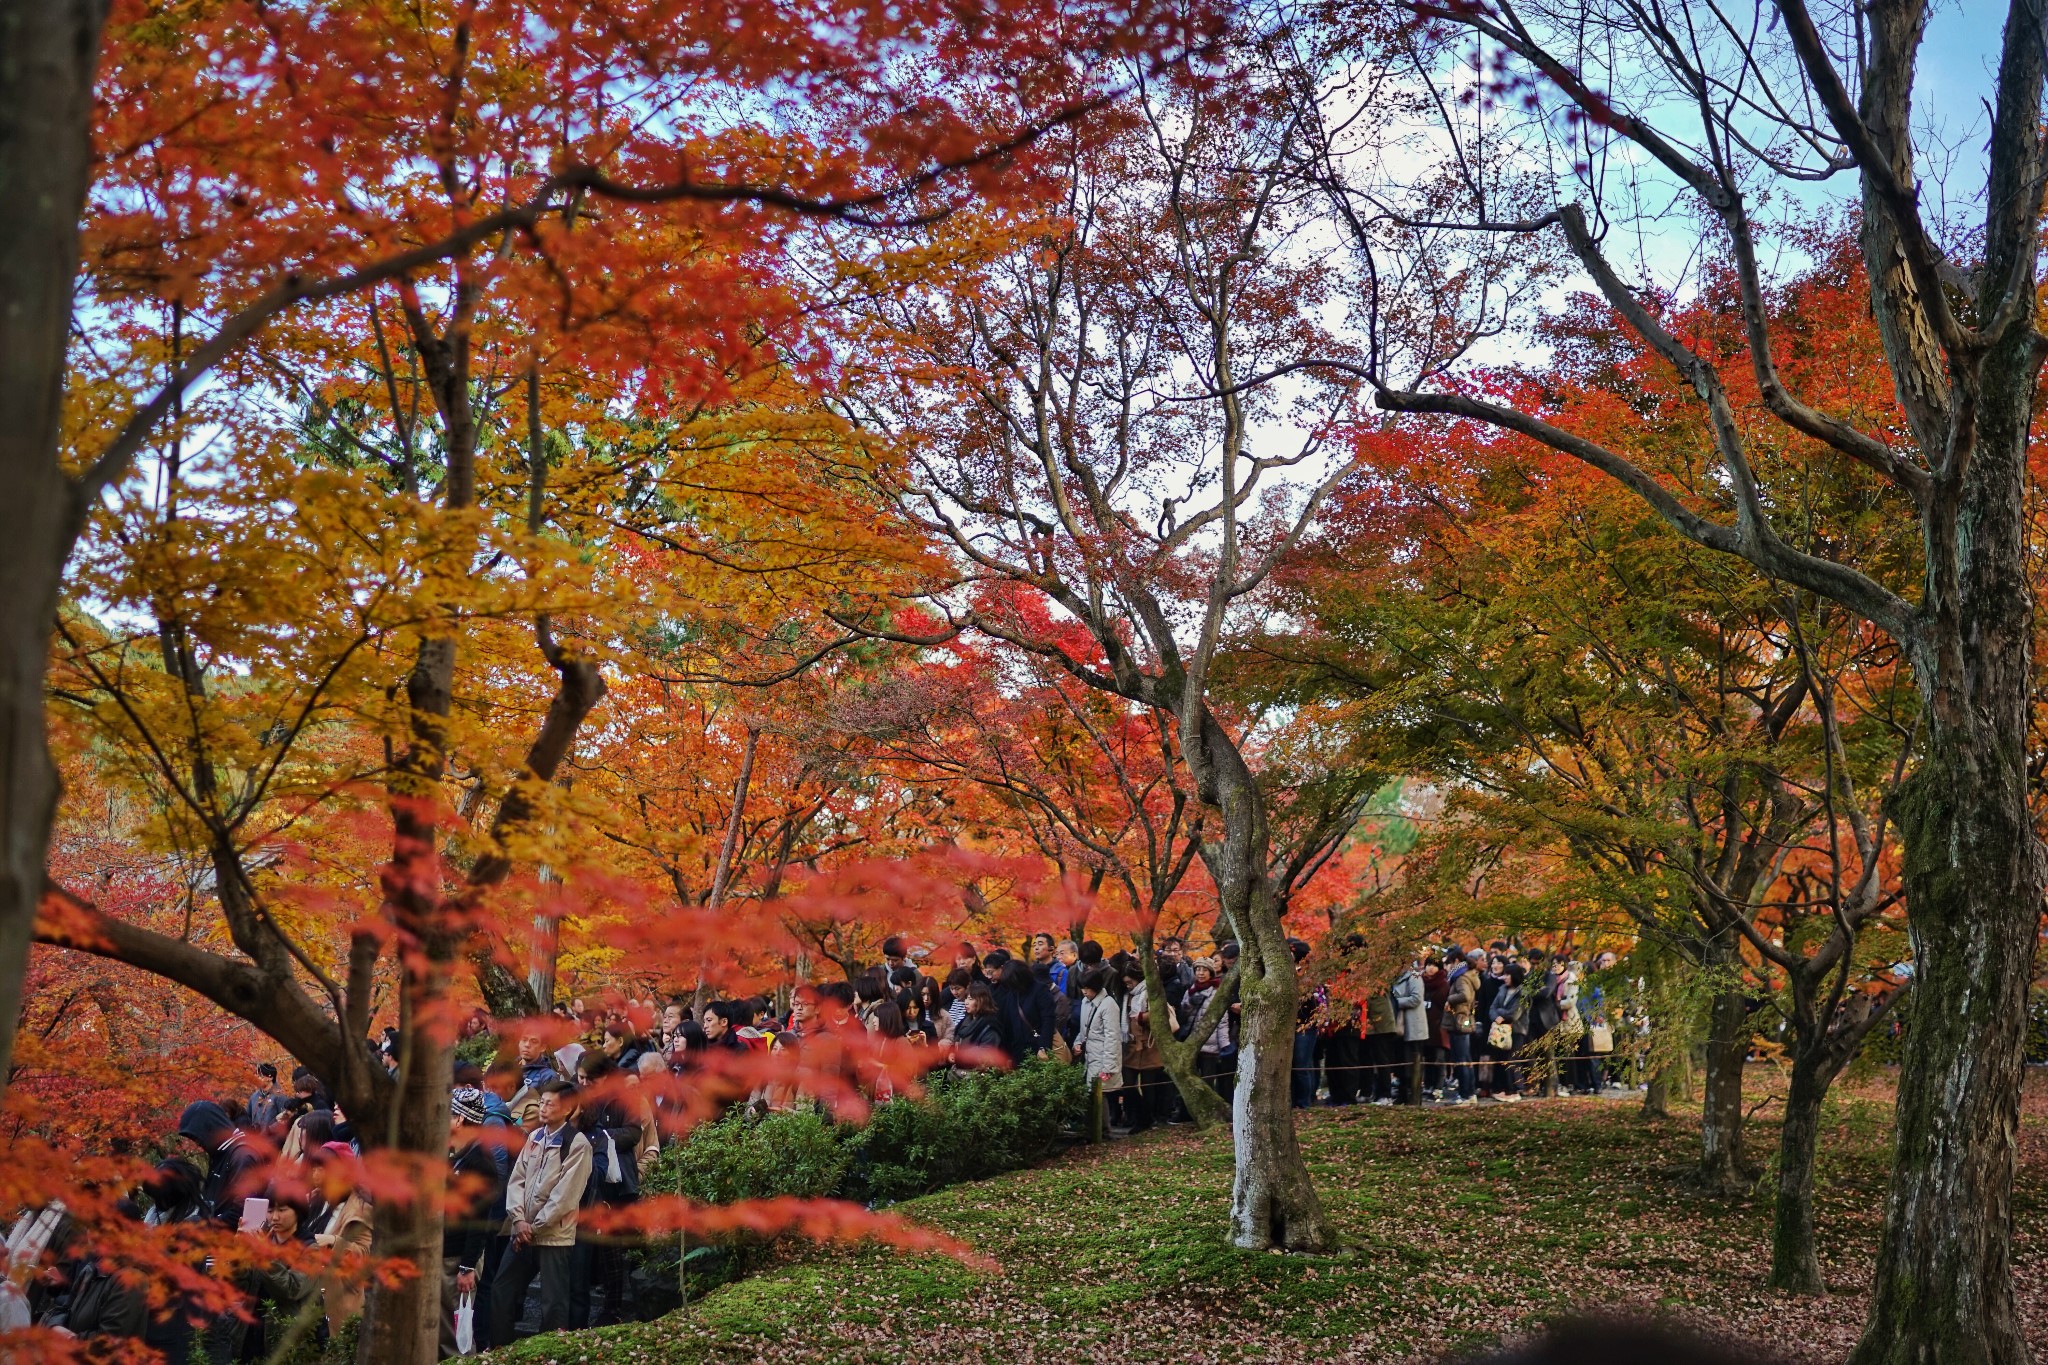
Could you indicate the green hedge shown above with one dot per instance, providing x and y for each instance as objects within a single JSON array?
[
  {"x": 963, "y": 1128},
  {"x": 743, "y": 1156}
]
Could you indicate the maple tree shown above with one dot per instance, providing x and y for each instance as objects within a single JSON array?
[
  {"x": 1079, "y": 418},
  {"x": 237, "y": 162},
  {"x": 1721, "y": 116},
  {"x": 372, "y": 614},
  {"x": 1622, "y": 720}
]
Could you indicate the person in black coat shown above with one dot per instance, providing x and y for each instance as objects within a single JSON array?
[
  {"x": 599, "y": 1269},
  {"x": 977, "y": 1027},
  {"x": 468, "y": 1239},
  {"x": 231, "y": 1164},
  {"x": 84, "y": 1298},
  {"x": 1024, "y": 1013}
]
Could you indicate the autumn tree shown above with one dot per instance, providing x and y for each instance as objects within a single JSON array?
[
  {"x": 1090, "y": 425},
  {"x": 488, "y": 230},
  {"x": 238, "y": 161},
  {"x": 1721, "y": 111},
  {"x": 1622, "y": 720}
]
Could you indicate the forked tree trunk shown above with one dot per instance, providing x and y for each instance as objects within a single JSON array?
[
  {"x": 1273, "y": 1203},
  {"x": 1722, "y": 1164},
  {"x": 1795, "y": 1264},
  {"x": 1180, "y": 1056},
  {"x": 49, "y": 50},
  {"x": 1205, "y": 1106}
]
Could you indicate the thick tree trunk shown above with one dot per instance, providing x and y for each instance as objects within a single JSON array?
[
  {"x": 1943, "y": 1290},
  {"x": 1795, "y": 1265},
  {"x": 1273, "y": 1203},
  {"x": 49, "y": 50},
  {"x": 1722, "y": 1166},
  {"x": 402, "y": 1322}
]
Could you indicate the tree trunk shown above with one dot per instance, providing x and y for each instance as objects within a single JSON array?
[
  {"x": 1179, "y": 1056},
  {"x": 1795, "y": 1265},
  {"x": 1273, "y": 1203},
  {"x": 1943, "y": 1289},
  {"x": 402, "y": 1323},
  {"x": 49, "y": 50},
  {"x": 1722, "y": 1166},
  {"x": 1205, "y": 1107},
  {"x": 1657, "y": 1095}
]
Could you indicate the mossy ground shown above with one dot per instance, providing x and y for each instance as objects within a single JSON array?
[{"x": 1465, "y": 1226}]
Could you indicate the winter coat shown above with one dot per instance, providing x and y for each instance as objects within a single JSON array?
[
  {"x": 1544, "y": 1011},
  {"x": 1489, "y": 986},
  {"x": 1508, "y": 1005},
  {"x": 1041, "y": 1015},
  {"x": 1019, "y": 1035},
  {"x": 266, "y": 1107},
  {"x": 613, "y": 1133},
  {"x": 977, "y": 1030},
  {"x": 347, "y": 1228},
  {"x": 97, "y": 1304},
  {"x": 525, "y": 1102},
  {"x": 232, "y": 1172},
  {"x": 1140, "y": 1052},
  {"x": 1436, "y": 995},
  {"x": 1567, "y": 999},
  {"x": 1461, "y": 1010},
  {"x": 469, "y": 1233},
  {"x": 1101, "y": 1038},
  {"x": 287, "y": 1287},
  {"x": 547, "y": 1185},
  {"x": 1192, "y": 1006},
  {"x": 1409, "y": 1006},
  {"x": 1380, "y": 1016}
]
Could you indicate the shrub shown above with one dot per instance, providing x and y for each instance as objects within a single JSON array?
[
  {"x": 965, "y": 1128},
  {"x": 962, "y": 1128},
  {"x": 742, "y": 1156}
]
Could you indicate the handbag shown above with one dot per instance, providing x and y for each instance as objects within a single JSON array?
[
  {"x": 1062, "y": 1050},
  {"x": 1600, "y": 1039},
  {"x": 1501, "y": 1036}
]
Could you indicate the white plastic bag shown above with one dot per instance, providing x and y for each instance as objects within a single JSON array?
[{"x": 465, "y": 1325}]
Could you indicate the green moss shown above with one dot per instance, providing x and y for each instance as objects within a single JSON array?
[{"x": 1463, "y": 1224}]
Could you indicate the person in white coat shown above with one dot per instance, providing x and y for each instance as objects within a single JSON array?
[{"x": 1100, "y": 1036}]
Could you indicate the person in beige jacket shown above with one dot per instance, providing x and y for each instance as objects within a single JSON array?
[{"x": 541, "y": 1200}]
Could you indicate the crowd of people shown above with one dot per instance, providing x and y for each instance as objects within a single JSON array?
[{"x": 550, "y": 1133}]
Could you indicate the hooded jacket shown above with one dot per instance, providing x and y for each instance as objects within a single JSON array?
[{"x": 231, "y": 1169}]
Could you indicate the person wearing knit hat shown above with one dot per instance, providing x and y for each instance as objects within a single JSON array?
[
  {"x": 466, "y": 1105},
  {"x": 469, "y": 1260}
]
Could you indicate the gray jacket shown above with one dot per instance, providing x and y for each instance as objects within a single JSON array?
[
  {"x": 1409, "y": 1006},
  {"x": 1101, "y": 1037}
]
